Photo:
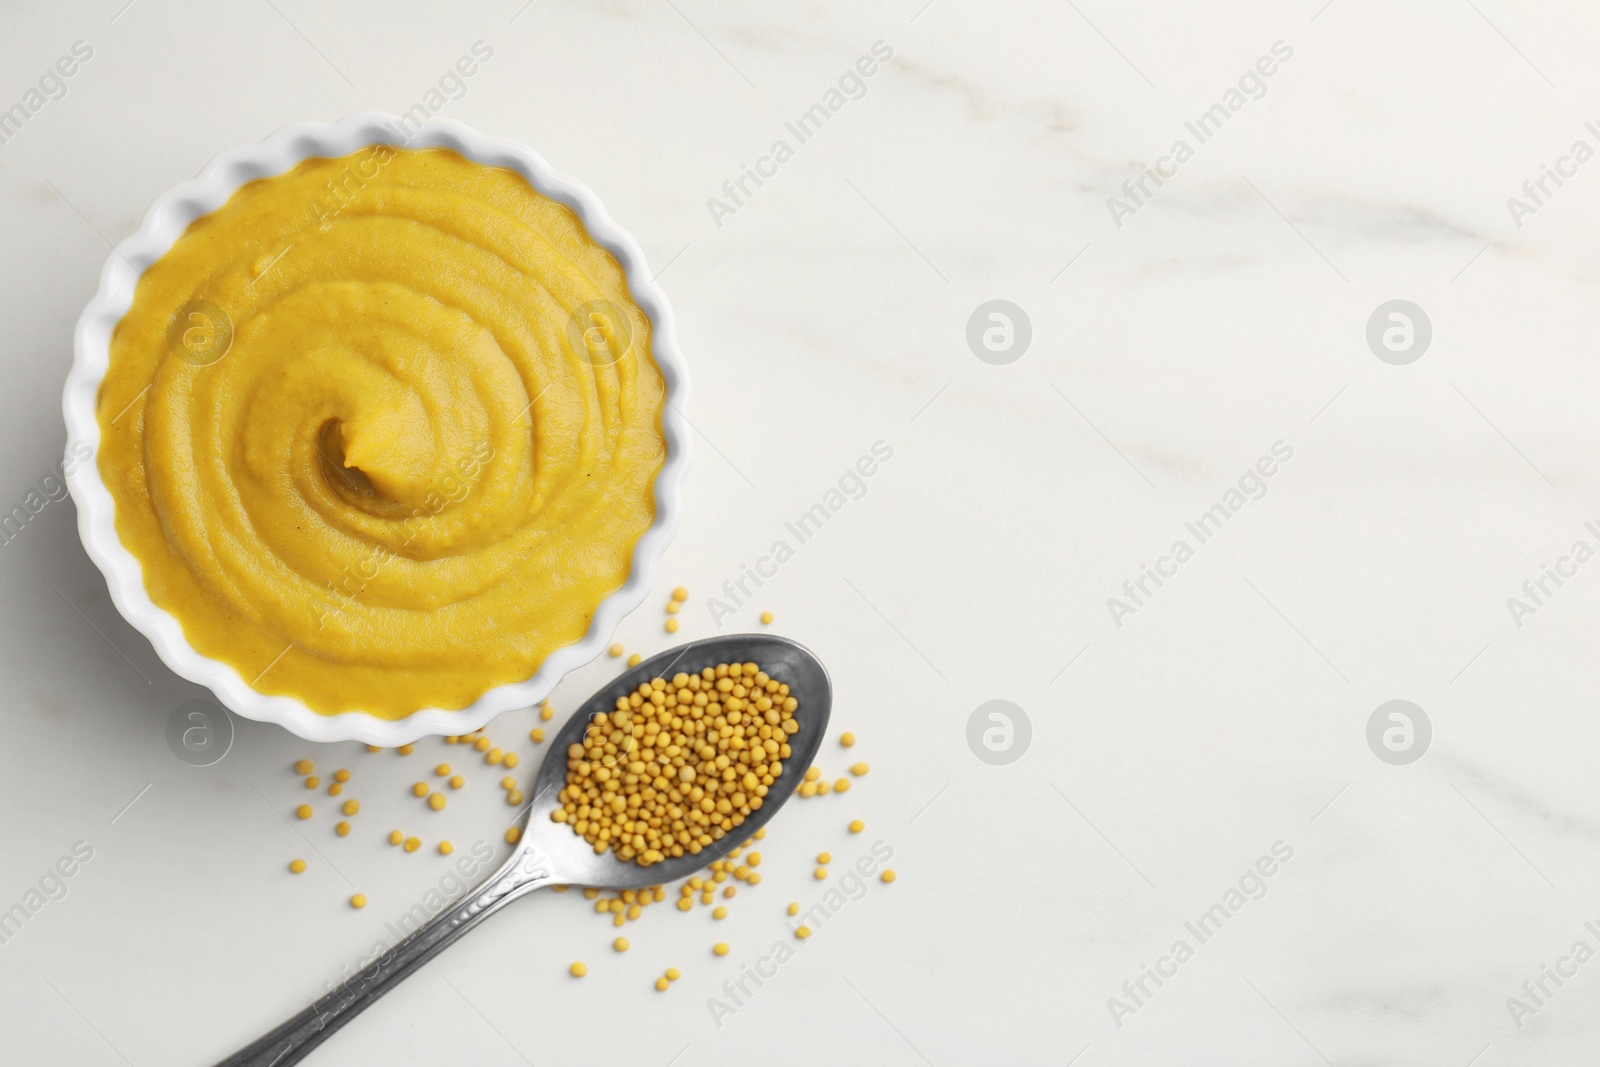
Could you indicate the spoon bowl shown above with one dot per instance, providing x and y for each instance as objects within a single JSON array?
[
  {"x": 551, "y": 853},
  {"x": 574, "y": 860}
]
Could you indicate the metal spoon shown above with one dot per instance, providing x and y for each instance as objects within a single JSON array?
[{"x": 552, "y": 854}]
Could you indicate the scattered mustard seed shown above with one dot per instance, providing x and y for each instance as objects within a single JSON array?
[
  {"x": 303, "y": 811},
  {"x": 635, "y": 659},
  {"x": 802, "y": 932},
  {"x": 578, "y": 970},
  {"x": 766, "y": 618},
  {"x": 661, "y": 985},
  {"x": 620, "y": 944},
  {"x": 443, "y": 770},
  {"x": 847, "y": 739},
  {"x": 304, "y": 766},
  {"x": 351, "y": 807},
  {"x": 856, "y": 826},
  {"x": 537, "y": 735},
  {"x": 858, "y": 769},
  {"x": 720, "y": 948},
  {"x": 412, "y": 844},
  {"x": 341, "y": 775},
  {"x": 358, "y": 901},
  {"x": 680, "y": 594},
  {"x": 313, "y": 782},
  {"x": 887, "y": 876},
  {"x": 396, "y": 837},
  {"x": 615, "y": 650},
  {"x": 456, "y": 781},
  {"x": 514, "y": 835},
  {"x": 436, "y": 802},
  {"x": 445, "y": 848},
  {"x": 511, "y": 760},
  {"x": 406, "y": 750},
  {"x": 297, "y": 866},
  {"x": 342, "y": 828},
  {"x": 420, "y": 789}
]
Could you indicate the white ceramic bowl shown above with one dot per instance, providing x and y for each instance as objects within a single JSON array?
[{"x": 166, "y": 220}]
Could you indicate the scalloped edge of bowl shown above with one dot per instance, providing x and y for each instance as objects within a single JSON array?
[{"x": 168, "y": 217}]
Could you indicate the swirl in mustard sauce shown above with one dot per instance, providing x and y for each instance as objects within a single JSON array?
[{"x": 383, "y": 431}]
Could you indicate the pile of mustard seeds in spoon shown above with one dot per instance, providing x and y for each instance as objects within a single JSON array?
[{"x": 679, "y": 764}]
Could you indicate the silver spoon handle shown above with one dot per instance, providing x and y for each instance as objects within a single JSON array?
[{"x": 293, "y": 1040}]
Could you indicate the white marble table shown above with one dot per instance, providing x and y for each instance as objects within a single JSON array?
[{"x": 1180, "y": 332}]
